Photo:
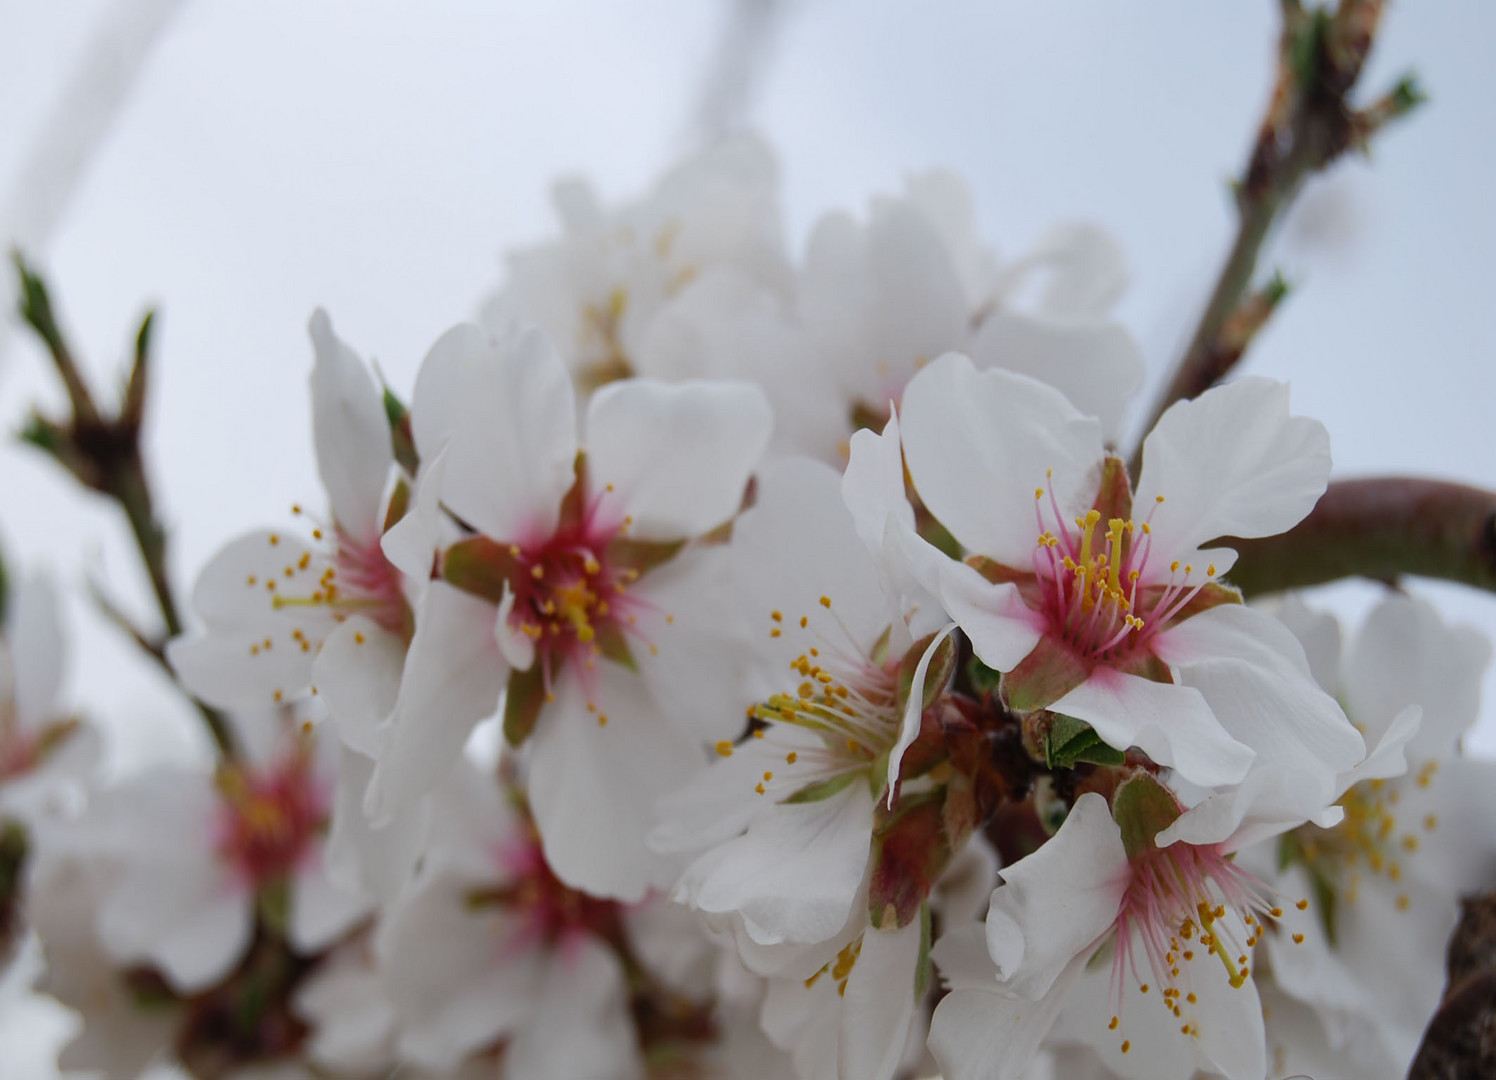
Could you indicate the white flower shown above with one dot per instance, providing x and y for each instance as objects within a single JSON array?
[
  {"x": 200, "y": 856},
  {"x": 882, "y": 298},
  {"x": 574, "y": 594},
  {"x": 1121, "y": 622},
  {"x": 1385, "y": 882},
  {"x": 1181, "y": 923},
  {"x": 598, "y": 291},
  {"x": 271, "y": 601},
  {"x": 38, "y": 748}
]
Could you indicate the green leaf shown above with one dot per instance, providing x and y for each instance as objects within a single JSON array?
[
  {"x": 1070, "y": 741},
  {"x": 822, "y": 789},
  {"x": 273, "y": 902},
  {"x": 983, "y": 679},
  {"x": 480, "y": 566},
  {"x": 522, "y": 704},
  {"x": 1142, "y": 808}
]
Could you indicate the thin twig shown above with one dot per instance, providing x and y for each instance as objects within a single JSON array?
[
  {"x": 1309, "y": 124},
  {"x": 103, "y": 453}
]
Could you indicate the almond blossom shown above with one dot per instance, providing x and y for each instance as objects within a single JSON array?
[
  {"x": 1118, "y": 618},
  {"x": 1180, "y": 923},
  {"x": 575, "y": 594},
  {"x": 1385, "y": 881}
]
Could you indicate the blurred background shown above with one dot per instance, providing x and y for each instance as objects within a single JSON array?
[{"x": 237, "y": 163}]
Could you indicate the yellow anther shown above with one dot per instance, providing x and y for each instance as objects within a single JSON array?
[
  {"x": 1298, "y": 939},
  {"x": 777, "y": 616},
  {"x": 724, "y": 748},
  {"x": 791, "y": 757},
  {"x": 537, "y": 571},
  {"x": 768, "y": 774},
  {"x": 825, "y": 601}
]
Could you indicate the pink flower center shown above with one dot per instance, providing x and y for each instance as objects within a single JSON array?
[
  {"x": 1098, "y": 592},
  {"x": 552, "y": 912},
  {"x": 570, "y": 599},
  {"x": 356, "y": 580},
  {"x": 268, "y": 818},
  {"x": 19, "y": 751},
  {"x": 1187, "y": 902}
]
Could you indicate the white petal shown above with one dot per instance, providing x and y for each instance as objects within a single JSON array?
[
  {"x": 351, "y": 433},
  {"x": 593, "y": 786},
  {"x": 1088, "y": 271},
  {"x": 357, "y": 675},
  {"x": 880, "y": 1003},
  {"x": 1095, "y": 363},
  {"x": 982, "y": 1035},
  {"x": 1406, "y": 654},
  {"x": 720, "y": 801},
  {"x": 580, "y": 1028},
  {"x": 1232, "y": 462},
  {"x": 1318, "y": 632},
  {"x": 448, "y": 369},
  {"x": 181, "y": 918},
  {"x": 322, "y": 910},
  {"x": 1055, "y": 904},
  {"x": 517, "y": 647},
  {"x": 1253, "y": 673},
  {"x": 360, "y": 857},
  {"x": 411, "y": 543},
  {"x": 1173, "y": 725},
  {"x": 453, "y": 677},
  {"x": 455, "y": 981},
  {"x": 1000, "y": 434},
  {"x": 512, "y": 454},
  {"x": 794, "y": 875},
  {"x": 1001, "y": 627},
  {"x": 678, "y": 456}
]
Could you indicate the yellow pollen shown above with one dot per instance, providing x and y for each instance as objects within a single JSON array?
[
  {"x": 803, "y": 621},
  {"x": 306, "y": 557},
  {"x": 1190, "y": 997},
  {"x": 1403, "y": 903},
  {"x": 1276, "y": 913},
  {"x": 251, "y": 580},
  {"x": 1431, "y": 822},
  {"x": 825, "y": 601},
  {"x": 274, "y": 540},
  {"x": 724, "y": 748},
  {"x": 358, "y": 638},
  {"x": 1126, "y": 1046},
  {"x": 1158, "y": 498},
  {"x": 602, "y": 719},
  {"x": 774, "y": 633},
  {"x": 1143, "y": 989},
  {"x": 759, "y": 788},
  {"x": 768, "y": 776},
  {"x": 1113, "y": 1025},
  {"x": 316, "y": 534},
  {"x": 277, "y": 696},
  {"x": 791, "y": 758},
  {"x": 777, "y": 616},
  {"x": 1298, "y": 939},
  {"x": 537, "y": 571},
  {"x": 1302, "y": 905}
]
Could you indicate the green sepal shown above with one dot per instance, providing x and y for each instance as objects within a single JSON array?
[
  {"x": 1143, "y": 808},
  {"x": 402, "y": 441},
  {"x": 822, "y": 789},
  {"x": 273, "y": 903},
  {"x": 641, "y": 555},
  {"x": 480, "y": 566},
  {"x": 522, "y": 704},
  {"x": 398, "y": 506},
  {"x": 937, "y": 675},
  {"x": 613, "y": 644},
  {"x": 1070, "y": 741},
  {"x": 983, "y": 679},
  {"x": 910, "y": 850},
  {"x": 1044, "y": 676}
]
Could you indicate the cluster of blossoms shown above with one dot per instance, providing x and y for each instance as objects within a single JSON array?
[{"x": 860, "y": 715}]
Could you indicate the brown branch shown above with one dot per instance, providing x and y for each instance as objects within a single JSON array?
[
  {"x": 1460, "y": 1041},
  {"x": 103, "y": 453},
  {"x": 1308, "y": 125},
  {"x": 1381, "y": 528}
]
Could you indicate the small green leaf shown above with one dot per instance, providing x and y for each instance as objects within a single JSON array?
[
  {"x": 480, "y": 566},
  {"x": 1070, "y": 741},
  {"x": 522, "y": 704},
  {"x": 983, "y": 679},
  {"x": 822, "y": 789}
]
